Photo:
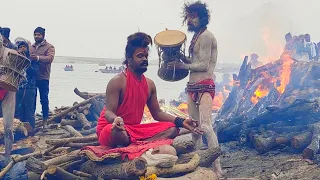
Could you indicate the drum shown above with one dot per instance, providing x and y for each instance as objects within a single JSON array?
[
  {"x": 13, "y": 68},
  {"x": 170, "y": 45}
]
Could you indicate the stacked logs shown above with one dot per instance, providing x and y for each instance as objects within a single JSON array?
[
  {"x": 278, "y": 119},
  {"x": 61, "y": 159}
]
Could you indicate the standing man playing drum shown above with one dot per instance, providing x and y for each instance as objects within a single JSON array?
[
  {"x": 201, "y": 63},
  {"x": 43, "y": 52},
  {"x": 5, "y": 32}
]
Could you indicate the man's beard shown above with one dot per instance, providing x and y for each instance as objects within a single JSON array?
[
  {"x": 141, "y": 70},
  {"x": 143, "y": 67},
  {"x": 38, "y": 40},
  {"x": 192, "y": 28}
]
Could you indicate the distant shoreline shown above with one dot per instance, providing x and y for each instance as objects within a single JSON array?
[{"x": 113, "y": 61}]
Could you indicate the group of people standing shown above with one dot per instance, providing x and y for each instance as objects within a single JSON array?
[
  {"x": 302, "y": 48},
  {"x": 41, "y": 53}
]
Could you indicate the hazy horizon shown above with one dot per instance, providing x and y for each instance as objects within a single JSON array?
[{"x": 99, "y": 28}]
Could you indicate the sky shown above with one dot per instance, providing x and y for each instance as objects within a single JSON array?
[{"x": 99, "y": 28}]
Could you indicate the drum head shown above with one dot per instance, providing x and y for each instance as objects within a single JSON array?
[{"x": 170, "y": 38}]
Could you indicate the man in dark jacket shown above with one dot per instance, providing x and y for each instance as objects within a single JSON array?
[
  {"x": 26, "y": 95},
  {"x": 44, "y": 53}
]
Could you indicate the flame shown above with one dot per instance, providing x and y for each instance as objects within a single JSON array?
[
  {"x": 285, "y": 72},
  {"x": 260, "y": 92},
  {"x": 217, "y": 101},
  {"x": 183, "y": 107},
  {"x": 280, "y": 82}
]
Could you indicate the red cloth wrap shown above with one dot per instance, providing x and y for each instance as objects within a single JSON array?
[
  {"x": 131, "y": 110},
  {"x": 195, "y": 95},
  {"x": 3, "y": 94},
  {"x": 134, "y": 150}
]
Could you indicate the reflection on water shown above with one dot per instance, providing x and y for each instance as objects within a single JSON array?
[{"x": 85, "y": 78}]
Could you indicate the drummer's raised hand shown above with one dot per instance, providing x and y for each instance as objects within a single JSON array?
[{"x": 184, "y": 58}]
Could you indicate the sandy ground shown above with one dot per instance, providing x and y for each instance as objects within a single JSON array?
[
  {"x": 244, "y": 162},
  {"x": 286, "y": 163}
]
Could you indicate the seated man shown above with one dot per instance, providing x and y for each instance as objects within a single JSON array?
[{"x": 126, "y": 95}]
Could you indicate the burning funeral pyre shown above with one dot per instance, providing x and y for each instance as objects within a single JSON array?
[{"x": 274, "y": 105}]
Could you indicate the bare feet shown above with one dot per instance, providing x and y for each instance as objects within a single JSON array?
[{"x": 217, "y": 168}]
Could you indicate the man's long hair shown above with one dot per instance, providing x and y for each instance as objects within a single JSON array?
[
  {"x": 134, "y": 41},
  {"x": 201, "y": 9}
]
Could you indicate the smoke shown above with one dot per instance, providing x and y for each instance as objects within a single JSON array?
[{"x": 262, "y": 29}]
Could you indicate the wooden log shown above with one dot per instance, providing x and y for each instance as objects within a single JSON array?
[
  {"x": 34, "y": 176},
  {"x": 60, "y": 150},
  {"x": 71, "y": 130},
  {"x": 94, "y": 114},
  {"x": 84, "y": 121},
  {"x": 86, "y": 112},
  {"x": 73, "y": 123},
  {"x": 302, "y": 140},
  {"x": 81, "y": 145},
  {"x": 20, "y": 158},
  {"x": 300, "y": 112},
  {"x": 73, "y": 140},
  {"x": 127, "y": 170},
  {"x": 96, "y": 105},
  {"x": 207, "y": 157},
  {"x": 83, "y": 108},
  {"x": 288, "y": 129},
  {"x": 35, "y": 165},
  {"x": 62, "y": 114},
  {"x": 72, "y": 164},
  {"x": 89, "y": 131},
  {"x": 60, "y": 173},
  {"x": 86, "y": 95},
  {"x": 82, "y": 174},
  {"x": 183, "y": 147},
  {"x": 313, "y": 148},
  {"x": 183, "y": 131},
  {"x": 72, "y": 156},
  {"x": 176, "y": 169},
  {"x": 199, "y": 173},
  {"x": 263, "y": 144}
]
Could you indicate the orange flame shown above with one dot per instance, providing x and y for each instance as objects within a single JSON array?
[
  {"x": 285, "y": 72},
  {"x": 217, "y": 101},
  {"x": 260, "y": 92}
]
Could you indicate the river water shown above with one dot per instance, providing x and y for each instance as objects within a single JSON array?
[{"x": 87, "y": 77}]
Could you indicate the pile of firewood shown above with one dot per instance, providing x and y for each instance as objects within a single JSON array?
[
  {"x": 272, "y": 106},
  {"x": 61, "y": 158}
]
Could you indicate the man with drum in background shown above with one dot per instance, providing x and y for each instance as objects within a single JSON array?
[
  {"x": 201, "y": 63},
  {"x": 43, "y": 52},
  {"x": 5, "y": 32}
]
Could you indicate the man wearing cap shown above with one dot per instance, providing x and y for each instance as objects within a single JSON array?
[
  {"x": 26, "y": 95},
  {"x": 5, "y": 32},
  {"x": 43, "y": 52}
]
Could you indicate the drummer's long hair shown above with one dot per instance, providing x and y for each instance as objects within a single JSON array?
[
  {"x": 197, "y": 7},
  {"x": 134, "y": 41}
]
